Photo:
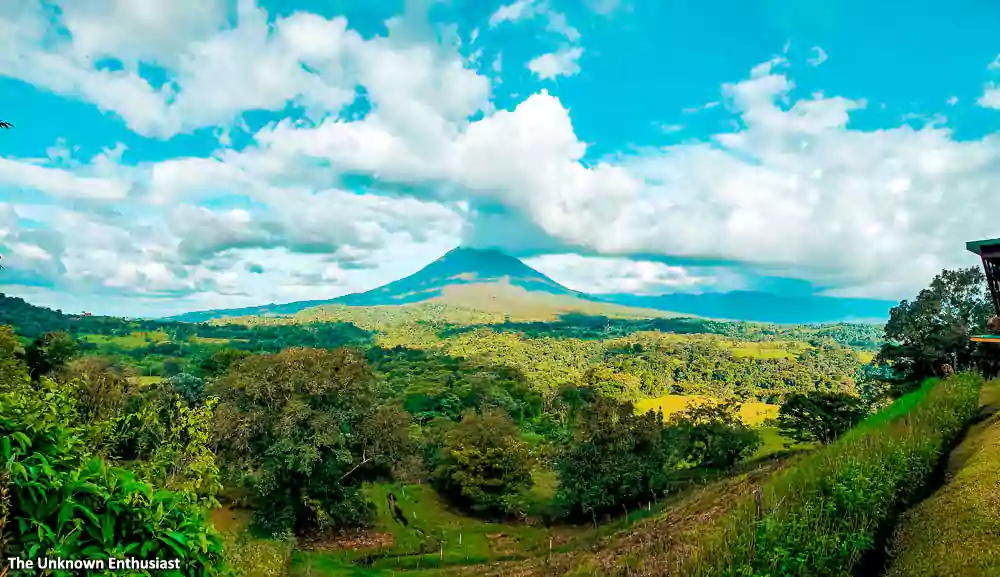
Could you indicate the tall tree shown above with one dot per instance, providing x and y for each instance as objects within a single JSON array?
[
  {"x": 484, "y": 465},
  {"x": 614, "y": 459},
  {"x": 308, "y": 423},
  {"x": 819, "y": 415},
  {"x": 933, "y": 329}
]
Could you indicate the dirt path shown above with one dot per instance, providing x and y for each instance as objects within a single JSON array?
[{"x": 989, "y": 405}]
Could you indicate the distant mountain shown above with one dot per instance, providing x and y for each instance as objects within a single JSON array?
[{"x": 492, "y": 281}]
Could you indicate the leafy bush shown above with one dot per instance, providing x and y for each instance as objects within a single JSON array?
[
  {"x": 822, "y": 515},
  {"x": 484, "y": 465},
  {"x": 713, "y": 436},
  {"x": 183, "y": 461},
  {"x": 65, "y": 503},
  {"x": 819, "y": 416}
]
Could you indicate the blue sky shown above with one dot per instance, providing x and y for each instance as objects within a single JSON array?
[{"x": 210, "y": 153}]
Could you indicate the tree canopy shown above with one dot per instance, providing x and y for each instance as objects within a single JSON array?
[{"x": 933, "y": 330}]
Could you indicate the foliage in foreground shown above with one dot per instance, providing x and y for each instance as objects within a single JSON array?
[
  {"x": 957, "y": 530},
  {"x": 821, "y": 516},
  {"x": 65, "y": 503}
]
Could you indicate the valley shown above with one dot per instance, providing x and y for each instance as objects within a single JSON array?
[{"x": 500, "y": 427}]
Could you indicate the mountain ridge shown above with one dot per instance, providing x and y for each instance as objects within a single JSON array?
[{"x": 489, "y": 279}]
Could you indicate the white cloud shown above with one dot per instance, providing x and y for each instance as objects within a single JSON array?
[
  {"x": 819, "y": 57},
  {"x": 522, "y": 10},
  {"x": 513, "y": 12},
  {"x": 59, "y": 182},
  {"x": 564, "y": 62},
  {"x": 990, "y": 97},
  {"x": 606, "y": 275},
  {"x": 952, "y": 101}
]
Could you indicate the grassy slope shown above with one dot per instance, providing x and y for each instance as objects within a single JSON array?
[
  {"x": 821, "y": 515},
  {"x": 957, "y": 530}
]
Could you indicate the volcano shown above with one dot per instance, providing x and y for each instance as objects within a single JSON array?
[{"x": 482, "y": 279}]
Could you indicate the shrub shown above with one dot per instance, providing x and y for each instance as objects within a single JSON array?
[
  {"x": 189, "y": 387},
  {"x": 820, "y": 516},
  {"x": 64, "y": 503}
]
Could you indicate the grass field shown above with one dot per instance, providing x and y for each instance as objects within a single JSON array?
[
  {"x": 133, "y": 340},
  {"x": 146, "y": 380},
  {"x": 765, "y": 350},
  {"x": 957, "y": 530},
  {"x": 752, "y": 413}
]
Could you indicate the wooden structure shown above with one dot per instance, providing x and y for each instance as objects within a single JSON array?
[{"x": 989, "y": 252}]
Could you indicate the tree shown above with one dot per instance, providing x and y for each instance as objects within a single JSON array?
[
  {"x": 819, "y": 415},
  {"x": 713, "y": 436},
  {"x": 189, "y": 387},
  {"x": 49, "y": 352},
  {"x": 307, "y": 424},
  {"x": 102, "y": 386},
  {"x": 220, "y": 361},
  {"x": 614, "y": 459},
  {"x": 932, "y": 330},
  {"x": 484, "y": 465}
]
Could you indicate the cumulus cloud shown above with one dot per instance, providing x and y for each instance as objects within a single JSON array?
[
  {"x": 608, "y": 275},
  {"x": 990, "y": 97},
  {"x": 564, "y": 62}
]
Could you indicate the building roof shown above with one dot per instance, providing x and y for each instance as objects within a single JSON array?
[{"x": 977, "y": 246}]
